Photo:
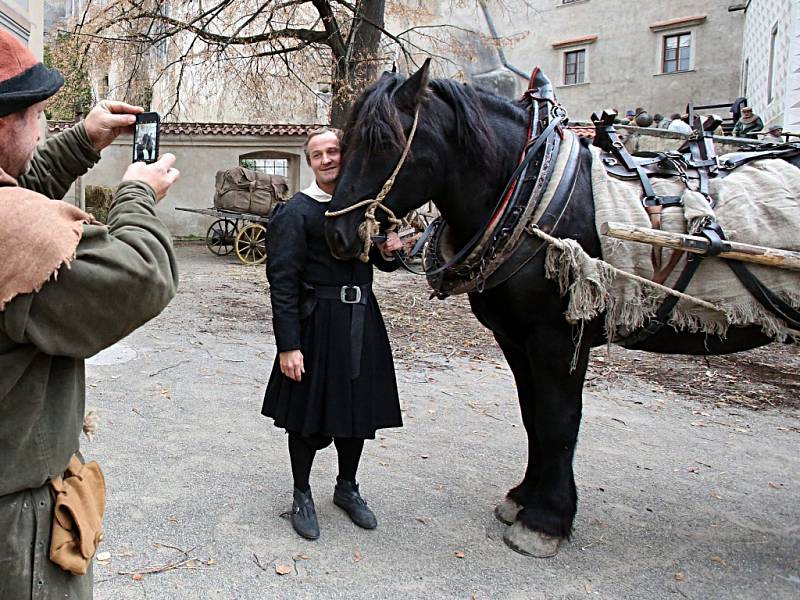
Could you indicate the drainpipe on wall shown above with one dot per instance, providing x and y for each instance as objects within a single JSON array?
[{"x": 490, "y": 24}]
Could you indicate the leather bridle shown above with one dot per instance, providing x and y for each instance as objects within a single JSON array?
[{"x": 370, "y": 225}]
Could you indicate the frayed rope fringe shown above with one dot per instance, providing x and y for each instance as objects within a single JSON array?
[{"x": 588, "y": 281}]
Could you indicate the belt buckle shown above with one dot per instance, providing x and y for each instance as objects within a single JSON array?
[{"x": 350, "y": 294}]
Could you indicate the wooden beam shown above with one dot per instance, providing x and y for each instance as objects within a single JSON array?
[{"x": 770, "y": 257}]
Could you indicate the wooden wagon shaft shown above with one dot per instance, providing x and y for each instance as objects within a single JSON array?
[{"x": 771, "y": 257}]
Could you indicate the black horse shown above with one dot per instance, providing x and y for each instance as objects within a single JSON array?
[{"x": 467, "y": 144}]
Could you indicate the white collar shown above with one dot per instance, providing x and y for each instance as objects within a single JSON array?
[{"x": 316, "y": 193}]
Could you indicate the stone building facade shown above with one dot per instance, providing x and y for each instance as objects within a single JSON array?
[
  {"x": 771, "y": 61},
  {"x": 24, "y": 19},
  {"x": 599, "y": 54},
  {"x": 614, "y": 53}
]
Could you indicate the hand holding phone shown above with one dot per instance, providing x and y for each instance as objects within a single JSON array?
[
  {"x": 160, "y": 176},
  {"x": 146, "y": 137},
  {"x": 107, "y": 120}
]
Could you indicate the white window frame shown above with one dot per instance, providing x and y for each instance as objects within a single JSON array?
[
  {"x": 745, "y": 76},
  {"x": 771, "y": 75},
  {"x": 662, "y": 46},
  {"x": 567, "y": 50}
]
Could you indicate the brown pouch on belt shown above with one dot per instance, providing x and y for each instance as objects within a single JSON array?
[{"x": 80, "y": 501}]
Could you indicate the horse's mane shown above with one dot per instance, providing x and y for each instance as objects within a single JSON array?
[{"x": 375, "y": 119}]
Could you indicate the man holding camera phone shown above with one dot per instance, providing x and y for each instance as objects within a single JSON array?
[{"x": 69, "y": 287}]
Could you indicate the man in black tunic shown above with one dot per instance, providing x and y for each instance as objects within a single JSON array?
[{"x": 333, "y": 378}]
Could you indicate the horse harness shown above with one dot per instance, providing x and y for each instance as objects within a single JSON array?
[
  {"x": 696, "y": 160},
  {"x": 505, "y": 244}
]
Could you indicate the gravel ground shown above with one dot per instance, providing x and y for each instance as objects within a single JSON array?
[{"x": 687, "y": 468}]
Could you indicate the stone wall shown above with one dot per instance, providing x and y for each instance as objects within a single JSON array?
[
  {"x": 199, "y": 157},
  {"x": 648, "y": 139}
]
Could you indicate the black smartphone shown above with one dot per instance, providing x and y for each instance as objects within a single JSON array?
[{"x": 146, "y": 137}]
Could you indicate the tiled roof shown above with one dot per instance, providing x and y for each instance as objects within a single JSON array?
[
  {"x": 213, "y": 128},
  {"x": 582, "y": 130},
  {"x": 253, "y": 128}
]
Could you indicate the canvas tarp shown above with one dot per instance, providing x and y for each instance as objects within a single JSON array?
[
  {"x": 759, "y": 203},
  {"x": 246, "y": 191}
]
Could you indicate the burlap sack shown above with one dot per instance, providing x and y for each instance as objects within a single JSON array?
[
  {"x": 246, "y": 191},
  {"x": 80, "y": 502}
]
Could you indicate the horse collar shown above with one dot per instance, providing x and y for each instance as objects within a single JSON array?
[{"x": 495, "y": 253}]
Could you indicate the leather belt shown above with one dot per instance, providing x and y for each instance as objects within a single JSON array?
[{"x": 356, "y": 296}]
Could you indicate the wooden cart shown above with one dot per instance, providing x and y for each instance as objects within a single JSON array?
[{"x": 243, "y": 233}]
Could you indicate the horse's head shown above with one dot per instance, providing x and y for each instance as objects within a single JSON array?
[{"x": 374, "y": 142}]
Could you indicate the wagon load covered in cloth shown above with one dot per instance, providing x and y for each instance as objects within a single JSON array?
[
  {"x": 243, "y": 190},
  {"x": 758, "y": 203}
]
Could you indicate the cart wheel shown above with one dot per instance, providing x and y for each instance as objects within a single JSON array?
[
  {"x": 251, "y": 244},
  {"x": 221, "y": 237}
]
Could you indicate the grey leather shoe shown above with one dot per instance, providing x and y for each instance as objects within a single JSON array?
[
  {"x": 304, "y": 515},
  {"x": 347, "y": 497}
]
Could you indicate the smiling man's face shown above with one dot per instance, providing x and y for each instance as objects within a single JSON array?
[{"x": 325, "y": 158}]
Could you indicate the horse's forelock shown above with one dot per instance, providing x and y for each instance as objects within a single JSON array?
[{"x": 375, "y": 119}]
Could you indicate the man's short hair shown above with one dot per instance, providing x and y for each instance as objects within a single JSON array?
[{"x": 320, "y": 131}]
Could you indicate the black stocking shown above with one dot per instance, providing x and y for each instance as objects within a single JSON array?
[
  {"x": 349, "y": 452},
  {"x": 301, "y": 455}
]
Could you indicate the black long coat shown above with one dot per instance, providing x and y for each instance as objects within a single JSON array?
[{"x": 327, "y": 400}]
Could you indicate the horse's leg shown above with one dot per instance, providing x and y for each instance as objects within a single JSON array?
[
  {"x": 516, "y": 498},
  {"x": 551, "y": 505}
]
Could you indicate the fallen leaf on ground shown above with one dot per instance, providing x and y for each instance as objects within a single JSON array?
[
  {"x": 301, "y": 556},
  {"x": 358, "y": 556},
  {"x": 459, "y": 554},
  {"x": 587, "y": 587},
  {"x": 715, "y": 494},
  {"x": 719, "y": 560},
  {"x": 137, "y": 576},
  {"x": 283, "y": 569}
]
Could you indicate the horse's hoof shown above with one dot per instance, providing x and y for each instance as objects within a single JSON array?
[
  {"x": 531, "y": 543},
  {"x": 506, "y": 511}
]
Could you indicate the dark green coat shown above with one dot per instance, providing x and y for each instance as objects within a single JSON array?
[{"x": 122, "y": 276}]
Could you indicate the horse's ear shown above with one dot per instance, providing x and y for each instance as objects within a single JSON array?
[{"x": 413, "y": 89}]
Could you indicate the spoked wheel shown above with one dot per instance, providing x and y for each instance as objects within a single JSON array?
[
  {"x": 221, "y": 236},
  {"x": 251, "y": 244}
]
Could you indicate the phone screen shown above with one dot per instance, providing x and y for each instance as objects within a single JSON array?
[{"x": 146, "y": 138}]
